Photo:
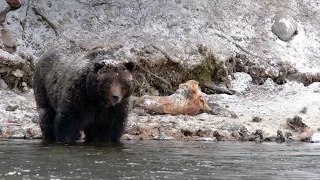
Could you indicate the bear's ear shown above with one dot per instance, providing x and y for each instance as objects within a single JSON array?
[
  {"x": 129, "y": 66},
  {"x": 98, "y": 66}
]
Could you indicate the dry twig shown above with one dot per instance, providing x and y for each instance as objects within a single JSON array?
[
  {"x": 40, "y": 13},
  {"x": 12, "y": 124},
  {"x": 240, "y": 47},
  {"x": 219, "y": 89},
  {"x": 154, "y": 75},
  {"x": 166, "y": 55}
]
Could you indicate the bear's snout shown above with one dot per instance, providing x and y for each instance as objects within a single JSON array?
[
  {"x": 115, "y": 99},
  {"x": 115, "y": 93}
]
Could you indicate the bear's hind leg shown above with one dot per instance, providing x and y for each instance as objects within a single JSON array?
[
  {"x": 46, "y": 112},
  {"x": 47, "y": 117}
]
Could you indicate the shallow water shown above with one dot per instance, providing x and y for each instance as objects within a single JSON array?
[{"x": 30, "y": 159}]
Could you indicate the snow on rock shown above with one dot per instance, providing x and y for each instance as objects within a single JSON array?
[{"x": 315, "y": 138}]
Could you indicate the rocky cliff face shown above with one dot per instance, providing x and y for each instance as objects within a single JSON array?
[
  {"x": 213, "y": 42},
  {"x": 181, "y": 31}
]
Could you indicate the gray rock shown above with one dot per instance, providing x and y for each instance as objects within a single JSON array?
[
  {"x": 296, "y": 124},
  {"x": 206, "y": 139},
  {"x": 4, "y": 9},
  {"x": 3, "y": 84},
  {"x": 241, "y": 81},
  {"x": 18, "y": 73},
  {"x": 18, "y": 135},
  {"x": 24, "y": 89},
  {"x": 284, "y": 25},
  {"x": 8, "y": 38},
  {"x": 216, "y": 109},
  {"x": 37, "y": 136},
  {"x": 3, "y": 6},
  {"x": 12, "y": 107},
  {"x": 35, "y": 119},
  {"x": 14, "y": 3},
  {"x": 280, "y": 137},
  {"x": 304, "y": 110},
  {"x": 163, "y": 136},
  {"x": 127, "y": 137},
  {"x": 256, "y": 119},
  {"x": 232, "y": 126}
]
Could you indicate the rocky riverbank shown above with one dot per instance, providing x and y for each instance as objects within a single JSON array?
[{"x": 268, "y": 112}]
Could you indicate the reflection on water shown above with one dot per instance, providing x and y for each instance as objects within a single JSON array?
[{"x": 26, "y": 159}]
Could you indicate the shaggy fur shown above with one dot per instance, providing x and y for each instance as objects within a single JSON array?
[{"x": 82, "y": 94}]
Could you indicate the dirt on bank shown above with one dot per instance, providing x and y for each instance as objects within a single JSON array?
[{"x": 270, "y": 112}]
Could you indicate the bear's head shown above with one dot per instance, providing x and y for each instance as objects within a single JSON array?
[{"x": 114, "y": 82}]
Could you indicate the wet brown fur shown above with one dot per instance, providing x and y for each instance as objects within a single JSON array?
[{"x": 82, "y": 94}]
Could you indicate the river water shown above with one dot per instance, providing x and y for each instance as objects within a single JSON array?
[{"x": 32, "y": 159}]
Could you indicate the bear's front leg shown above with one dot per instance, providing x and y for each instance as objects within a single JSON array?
[
  {"x": 67, "y": 127},
  {"x": 115, "y": 119},
  {"x": 109, "y": 124}
]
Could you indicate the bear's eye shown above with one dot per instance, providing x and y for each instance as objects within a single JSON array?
[{"x": 107, "y": 81}]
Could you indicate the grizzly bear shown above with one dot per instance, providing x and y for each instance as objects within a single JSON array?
[{"x": 88, "y": 94}]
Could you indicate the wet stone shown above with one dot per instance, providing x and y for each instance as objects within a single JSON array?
[
  {"x": 37, "y": 136},
  {"x": 236, "y": 135},
  {"x": 270, "y": 139},
  {"x": 127, "y": 137},
  {"x": 315, "y": 137},
  {"x": 243, "y": 132},
  {"x": 280, "y": 137},
  {"x": 17, "y": 136},
  {"x": 219, "y": 135},
  {"x": 186, "y": 132},
  {"x": 206, "y": 139},
  {"x": 288, "y": 135},
  {"x": 256, "y": 136},
  {"x": 163, "y": 136}
]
